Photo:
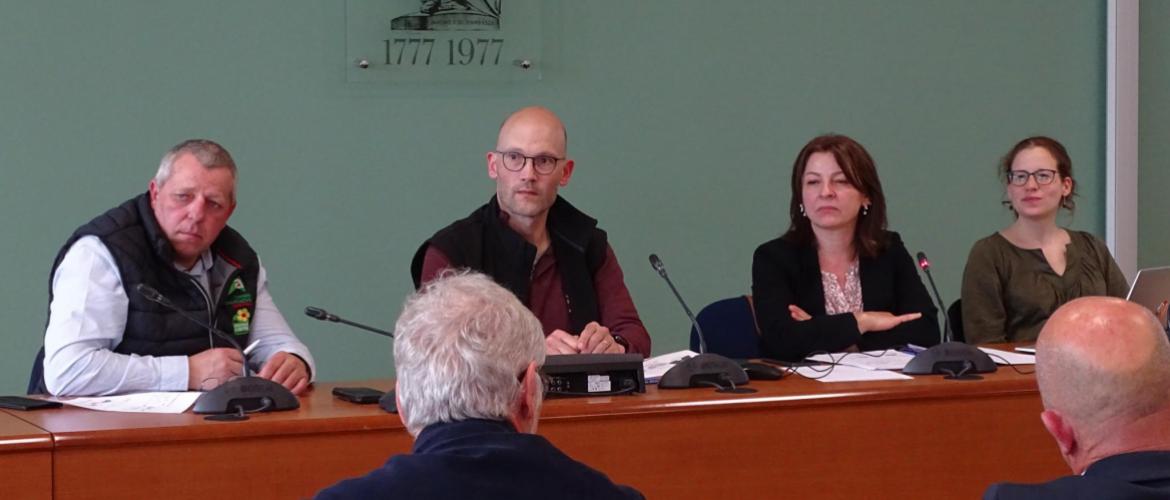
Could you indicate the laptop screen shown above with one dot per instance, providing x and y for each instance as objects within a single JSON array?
[{"x": 1151, "y": 287}]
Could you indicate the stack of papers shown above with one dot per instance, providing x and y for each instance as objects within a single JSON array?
[
  {"x": 869, "y": 360},
  {"x": 846, "y": 373},
  {"x": 858, "y": 366},
  {"x": 143, "y": 402},
  {"x": 1009, "y": 358}
]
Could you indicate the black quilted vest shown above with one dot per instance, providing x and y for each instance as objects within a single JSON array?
[
  {"x": 144, "y": 255},
  {"x": 482, "y": 241}
]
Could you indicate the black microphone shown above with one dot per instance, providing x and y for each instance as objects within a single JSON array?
[
  {"x": 706, "y": 369},
  {"x": 387, "y": 402},
  {"x": 957, "y": 360},
  {"x": 661, "y": 268},
  {"x": 323, "y": 315},
  {"x": 232, "y": 399},
  {"x": 946, "y": 335},
  {"x": 320, "y": 314}
]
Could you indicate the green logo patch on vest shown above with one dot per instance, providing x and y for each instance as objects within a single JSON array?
[
  {"x": 240, "y": 324},
  {"x": 240, "y": 299},
  {"x": 237, "y": 294},
  {"x": 236, "y": 291}
]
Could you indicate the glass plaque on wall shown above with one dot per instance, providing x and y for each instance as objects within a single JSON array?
[{"x": 425, "y": 41}]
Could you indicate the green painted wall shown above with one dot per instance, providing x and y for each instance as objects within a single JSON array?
[
  {"x": 684, "y": 117},
  {"x": 1154, "y": 135}
]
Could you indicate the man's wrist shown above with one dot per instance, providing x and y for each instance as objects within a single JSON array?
[{"x": 308, "y": 369}]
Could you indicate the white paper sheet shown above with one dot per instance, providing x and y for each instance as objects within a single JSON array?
[
  {"x": 653, "y": 368},
  {"x": 143, "y": 402},
  {"x": 1009, "y": 358},
  {"x": 889, "y": 359},
  {"x": 846, "y": 373}
]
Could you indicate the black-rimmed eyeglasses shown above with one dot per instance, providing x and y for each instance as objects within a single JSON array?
[
  {"x": 1020, "y": 177},
  {"x": 543, "y": 164}
]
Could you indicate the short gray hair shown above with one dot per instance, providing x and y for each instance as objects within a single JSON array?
[
  {"x": 1072, "y": 382},
  {"x": 209, "y": 154},
  {"x": 460, "y": 347}
]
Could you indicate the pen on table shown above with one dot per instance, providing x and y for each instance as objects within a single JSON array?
[
  {"x": 912, "y": 349},
  {"x": 251, "y": 347}
]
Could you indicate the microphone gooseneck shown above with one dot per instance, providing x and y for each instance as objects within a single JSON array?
[
  {"x": 957, "y": 360},
  {"x": 323, "y": 315},
  {"x": 388, "y": 401},
  {"x": 924, "y": 263},
  {"x": 661, "y": 268},
  {"x": 149, "y": 293},
  {"x": 706, "y": 369}
]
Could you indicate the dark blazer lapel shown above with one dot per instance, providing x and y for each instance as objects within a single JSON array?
[
  {"x": 810, "y": 278},
  {"x": 868, "y": 271}
]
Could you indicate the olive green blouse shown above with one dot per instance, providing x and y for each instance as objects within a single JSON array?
[{"x": 1009, "y": 292}]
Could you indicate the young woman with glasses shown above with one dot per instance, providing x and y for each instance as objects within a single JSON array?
[
  {"x": 1018, "y": 276},
  {"x": 837, "y": 280}
]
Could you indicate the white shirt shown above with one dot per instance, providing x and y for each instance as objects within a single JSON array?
[{"x": 88, "y": 316}]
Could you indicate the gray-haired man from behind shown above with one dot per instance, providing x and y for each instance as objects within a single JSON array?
[{"x": 467, "y": 355}]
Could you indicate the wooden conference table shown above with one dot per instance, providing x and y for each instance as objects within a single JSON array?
[
  {"x": 26, "y": 460},
  {"x": 921, "y": 438}
]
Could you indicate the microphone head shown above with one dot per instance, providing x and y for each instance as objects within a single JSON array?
[
  {"x": 656, "y": 263},
  {"x": 313, "y": 312},
  {"x": 922, "y": 262},
  {"x": 149, "y": 292}
]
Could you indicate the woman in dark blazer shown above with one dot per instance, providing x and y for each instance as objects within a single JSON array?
[{"x": 837, "y": 280}]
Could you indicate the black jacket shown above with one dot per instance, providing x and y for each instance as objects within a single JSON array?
[
  {"x": 481, "y": 459},
  {"x": 785, "y": 273},
  {"x": 1131, "y": 476}
]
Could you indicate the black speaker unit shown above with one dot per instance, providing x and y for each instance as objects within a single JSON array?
[{"x": 593, "y": 374}]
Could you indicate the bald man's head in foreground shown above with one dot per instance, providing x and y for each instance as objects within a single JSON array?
[{"x": 1103, "y": 367}]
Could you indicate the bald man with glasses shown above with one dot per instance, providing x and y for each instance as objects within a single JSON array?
[{"x": 541, "y": 248}]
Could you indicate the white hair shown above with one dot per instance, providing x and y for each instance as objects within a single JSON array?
[
  {"x": 461, "y": 346},
  {"x": 209, "y": 154}
]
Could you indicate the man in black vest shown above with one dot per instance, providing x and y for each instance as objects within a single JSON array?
[
  {"x": 1103, "y": 367},
  {"x": 104, "y": 337},
  {"x": 534, "y": 243}
]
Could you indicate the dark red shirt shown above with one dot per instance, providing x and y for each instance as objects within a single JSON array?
[{"x": 546, "y": 298}]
